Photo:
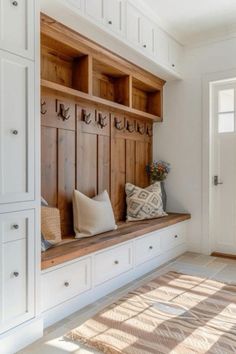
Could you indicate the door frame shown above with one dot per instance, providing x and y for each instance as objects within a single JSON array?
[{"x": 207, "y": 81}]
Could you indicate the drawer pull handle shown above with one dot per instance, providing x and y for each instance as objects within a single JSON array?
[
  {"x": 15, "y": 3},
  {"x": 116, "y": 262},
  {"x": 150, "y": 247},
  {"x": 15, "y": 226},
  {"x": 15, "y": 132},
  {"x": 16, "y": 274},
  {"x": 67, "y": 284},
  {"x": 176, "y": 236}
]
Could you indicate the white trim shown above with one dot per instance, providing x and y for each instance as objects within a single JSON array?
[{"x": 206, "y": 80}]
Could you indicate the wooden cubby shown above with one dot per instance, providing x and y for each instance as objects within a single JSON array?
[
  {"x": 64, "y": 65},
  {"x": 110, "y": 83},
  {"x": 146, "y": 98}
]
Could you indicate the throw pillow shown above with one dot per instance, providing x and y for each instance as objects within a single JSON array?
[
  {"x": 92, "y": 216},
  {"x": 50, "y": 225},
  {"x": 144, "y": 203},
  {"x": 45, "y": 245}
]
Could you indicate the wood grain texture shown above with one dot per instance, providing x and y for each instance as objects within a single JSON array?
[
  {"x": 126, "y": 231},
  {"x": 223, "y": 255}
]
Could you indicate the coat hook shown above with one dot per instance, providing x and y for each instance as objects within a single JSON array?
[
  {"x": 86, "y": 117},
  {"x": 63, "y": 112},
  {"x": 101, "y": 120},
  {"x": 149, "y": 131},
  {"x": 118, "y": 124},
  {"x": 43, "y": 110},
  {"x": 130, "y": 127},
  {"x": 141, "y": 129}
]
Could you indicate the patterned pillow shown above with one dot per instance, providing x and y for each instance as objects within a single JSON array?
[{"x": 144, "y": 203}]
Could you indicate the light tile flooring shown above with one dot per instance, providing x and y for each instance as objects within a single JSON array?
[{"x": 190, "y": 263}]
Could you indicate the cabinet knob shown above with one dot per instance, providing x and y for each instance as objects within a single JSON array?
[
  {"x": 14, "y": 132},
  {"x": 150, "y": 247},
  {"x": 16, "y": 274},
  {"x": 110, "y": 22},
  {"x": 67, "y": 284},
  {"x": 145, "y": 46},
  {"x": 173, "y": 65},
  {"x": 15, "y": 3},
  {"x": 176, "y": 236},
  {"x": 15, "y": 226},
  {"x": 116, "y": 262}
]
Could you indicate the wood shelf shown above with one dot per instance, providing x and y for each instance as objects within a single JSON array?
[{"x": 112, "y": 106}]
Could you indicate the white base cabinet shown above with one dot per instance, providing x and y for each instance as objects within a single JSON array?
[{"x": 69, "y": 287}]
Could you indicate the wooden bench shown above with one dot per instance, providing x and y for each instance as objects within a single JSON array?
[{"x": 73, "y": 248}]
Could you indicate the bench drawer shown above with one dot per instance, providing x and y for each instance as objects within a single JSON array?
[
  {"x": 113, "y": 262},
  {"x": 66, "y": 282},
  {"x": 173, "y": 236},
  {"x": 147, "y": 247}
]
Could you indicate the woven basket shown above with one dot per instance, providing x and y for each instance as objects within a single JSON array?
[{"x": 51, "y": 224}]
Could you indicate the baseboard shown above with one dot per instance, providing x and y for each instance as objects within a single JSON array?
[{"x": 21, "y": 336}]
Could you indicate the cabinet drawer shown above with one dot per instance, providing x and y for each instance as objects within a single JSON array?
[
  {"x": 173, "y": 236},
  {"x": 64, "y": 283},
  {"x": 147, "y": 247},
  {"x": 17, "y": 26},
  {"x": 112, "y": 263},
  {"x": 16, "y": 129},
  {"x": 15, "y": 226}
]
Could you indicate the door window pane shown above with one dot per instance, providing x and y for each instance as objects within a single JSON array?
[
  {"x": 226, "y": 122},
  {"x": 226, "y": 100}
]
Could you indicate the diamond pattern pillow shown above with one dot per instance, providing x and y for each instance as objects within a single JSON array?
[{"x": 144, "y": 203}]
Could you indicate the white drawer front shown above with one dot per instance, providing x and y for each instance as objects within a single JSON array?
[
  {"x": 17, "y": 26},
  {"x": 147, "y": 247},
  {"x": 16, "y": 129},
  {"x": 113, "y": 262},
  {"x": 14, "y": 226},
  {"x": 173, "y": 236},
  {"x": 64, "y": 283}
]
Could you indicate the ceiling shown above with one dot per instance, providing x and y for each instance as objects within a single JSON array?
[{"x": 192, "y": 21}]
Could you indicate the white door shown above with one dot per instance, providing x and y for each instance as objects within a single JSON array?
[
  {"x": 16, "y": 129},
  {"x": 17, "y": 27},
  {"x": 223, "y": 169},
  {"x": 147, "y": 35},
  {"x": 114, "y": 15},
  {"x": 16, "y": 268},
  {"x": 94, "y": 9},
  {"x": 161, "y": 46}
]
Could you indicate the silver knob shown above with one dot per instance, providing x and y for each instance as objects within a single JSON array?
[
  {"x": 176, "y": 236},
  {"x": 110, "y": 22},
  {"x": 16, "y": 274},
  {"x": 15, "y": 3},
  {"x": 67, "y": 284},
  {"x": 173, "y": 65},
  {"x": 145, "y": 46},
  {"x": 116, "y": 262},
  {"x": 150, "y": 247},
  {"x": 15, "y": 226},
  {"x": 15, "y": 132}
]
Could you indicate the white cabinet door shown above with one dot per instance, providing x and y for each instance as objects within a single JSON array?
[
  {"x": 133, "y": 19},
  {"x": 175, "y": 54},
  {"x": 16, "y": 268},
  {"x": 147, "y": 35},
  {"x": 76, "y": 3},
  {"x": 114, "y": 15},
  {"x": 94, "y": 9},
  {"x": 17, "y": 26},
  {"x": 16, "y": 129},
  {"x": 162, "y": 46}
]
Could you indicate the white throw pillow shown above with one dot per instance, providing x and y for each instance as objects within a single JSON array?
[{"x": 92, "y": 216}]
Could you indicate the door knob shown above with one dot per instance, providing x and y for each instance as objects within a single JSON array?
[
  {"x": 14, "y": 132},
  {"x": 216, "y": 181},
  {"x": 16, "y": 274},
  {"x": 15, "y": 226},
  {"x": 15, "y": 3}
]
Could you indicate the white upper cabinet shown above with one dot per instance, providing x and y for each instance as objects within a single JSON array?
[
  {"x": 16, "y": 128},
  {"x": 17, "y": 27},
  {"x": 161, "y": 46},
  {"x": 175, "y": 54},
  {"x": 94, "y": 9},
  {"x": 133, "y": 25},
  {"x": 147, "y": 34},
  {"x": 77, "y": 3},
  {"x": 114, "y": 15}
]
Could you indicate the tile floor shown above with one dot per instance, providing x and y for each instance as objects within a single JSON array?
[{"x": 190, "y": 263}]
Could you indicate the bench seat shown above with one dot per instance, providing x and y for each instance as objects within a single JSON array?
[{"x": 71, "y": 248}]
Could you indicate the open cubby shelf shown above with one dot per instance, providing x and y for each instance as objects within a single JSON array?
[{"x": 77, "y": 73}]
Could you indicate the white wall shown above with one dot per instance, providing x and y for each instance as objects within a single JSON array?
[{"x": 178, "y": 139}]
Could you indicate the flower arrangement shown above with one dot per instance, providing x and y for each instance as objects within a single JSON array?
[{"x": 158, "y": 170}]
